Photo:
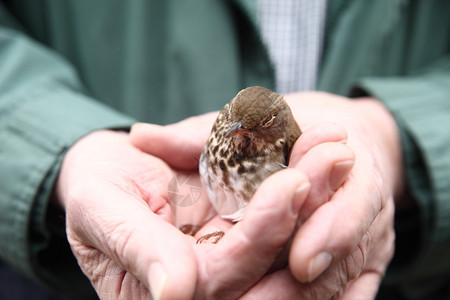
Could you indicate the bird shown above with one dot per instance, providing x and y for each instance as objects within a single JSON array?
[{"x": 251, "y": 139}]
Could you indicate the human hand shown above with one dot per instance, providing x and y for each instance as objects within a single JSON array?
[
  {"x": 121, "y": 226},
  {"x": 346, "y": 240},
  {"x": 353, "y": 222},
  {"x": 180, "y": 145},
  {"x": 118, "y": 220}
]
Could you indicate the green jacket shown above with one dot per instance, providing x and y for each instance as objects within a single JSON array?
[{"x": 70, "y": 67}]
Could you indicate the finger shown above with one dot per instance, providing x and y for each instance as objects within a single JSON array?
[
  {"x": 137, "y": 240},
  {"x": 282, "y": 285},
  {"x": 337, "y": 227},
  {"x": 327, "y": 166},
  {"x": 250, "y": 247},
  {"x": 365, "y": 265},
  {"x": 315, "y": 135},
  {"x": 178, "y": 144}
]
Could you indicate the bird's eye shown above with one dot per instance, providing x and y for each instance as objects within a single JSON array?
[{"x": 268, "y": 122}]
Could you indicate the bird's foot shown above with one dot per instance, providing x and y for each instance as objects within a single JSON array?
[
  {"x": 189, "y": 229},
  {"x": 211, "y": 238}
]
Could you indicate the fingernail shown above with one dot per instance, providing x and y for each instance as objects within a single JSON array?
[
  {"x": 158, "y": 279},
  {"x": 339, "y": 173},
  {"x": 318, "y": 264},
  {"x": 299, "y": 196}
]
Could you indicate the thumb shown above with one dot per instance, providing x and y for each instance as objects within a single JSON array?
[{"x": 138, "y": 241}]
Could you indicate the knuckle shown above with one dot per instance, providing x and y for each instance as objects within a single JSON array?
[{"x": 351, "y": 267}]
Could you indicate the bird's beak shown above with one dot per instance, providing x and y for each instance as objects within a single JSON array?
[{"x": 235, "y": 129}]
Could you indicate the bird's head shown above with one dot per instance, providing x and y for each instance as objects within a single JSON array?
[{"x": 257, "y": 117}]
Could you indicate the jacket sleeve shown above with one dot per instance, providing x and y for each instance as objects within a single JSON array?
[
  {"x": 43, "y": 111},
  {"x": 421, "y": 106}
]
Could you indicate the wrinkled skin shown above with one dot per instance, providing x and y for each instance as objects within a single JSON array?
[
  {"x": 122, "y": 230},
  {"x": 344, "y": 171}
]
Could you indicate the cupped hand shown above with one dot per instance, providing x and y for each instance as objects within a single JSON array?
[
  {"x": 122, "y": 225},
  {"x": 119, "y": 222},
  {"x": 180, "y": 145},
  {"x": 345, "y": 239}
]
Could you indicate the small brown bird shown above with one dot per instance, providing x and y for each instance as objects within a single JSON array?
[{"x": 250, "y": 140}]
